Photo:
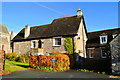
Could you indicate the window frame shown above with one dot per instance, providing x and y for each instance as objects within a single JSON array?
[
  {"x": 102, "y": 53},
  {"x": 93, "y": 52},
  {"x": 106, "y": 39},
  {"x": 33, "y": 44},
  {"x": 54, "y": 41}
]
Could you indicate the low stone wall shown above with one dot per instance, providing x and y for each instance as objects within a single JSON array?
[{"x": 2, "y": 60}]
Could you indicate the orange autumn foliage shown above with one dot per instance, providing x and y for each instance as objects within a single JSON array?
[{"x": 62, "y": 61}]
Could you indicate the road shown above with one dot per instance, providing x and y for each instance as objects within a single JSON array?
[{"x": 66, "y": 74}]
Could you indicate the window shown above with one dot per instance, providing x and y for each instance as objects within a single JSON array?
[
  {"x": 57, "y": 42},
  {"x": 103, "y": 52},
  {"x": 114, "y": 35},
  {"x": 91, "y": 53},
  {"x": 103, "y": 39},
  {"x": 33, "y": 44}
]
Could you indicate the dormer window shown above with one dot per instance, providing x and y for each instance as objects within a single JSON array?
[
  {"x": 114, "y": 35},
  {"x": 103, "y": 39}
]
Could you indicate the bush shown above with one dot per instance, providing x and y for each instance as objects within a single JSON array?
[
  {"x": 45, "y": 63},
  {"x": 12, "y": 56},
  {"x": 100, "y": 65},
  {"x": 56, "y": 53},
  {"x": 24, "y": 58}
]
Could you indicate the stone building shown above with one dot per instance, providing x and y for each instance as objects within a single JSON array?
[
  {"x": 4, "y": 39},
  {"x": 98, "y": 43},
  {"x": 115, "y": 54},
  {"x": 48, "y": 38}
]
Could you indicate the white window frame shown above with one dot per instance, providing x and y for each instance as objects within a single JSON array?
[
  {"x": 102, "y": 53},
  {"x": 106, "y": 38},
  {"x": 33, "y": 44},
  {"x": 114, "y": 35},
  {"x": 89, "y": 52},
  {"x": 54, "y": 41}
]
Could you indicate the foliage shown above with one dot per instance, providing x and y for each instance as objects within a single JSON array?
[
  {"x": 24, "y": 58},
  {"x": 103, "y": 72},
  {"x": 56, "y": 53},
  {"x": 12, "y": 56},
  {"x": 69, "y": 45},
  {"x": 45, "y": 63}
]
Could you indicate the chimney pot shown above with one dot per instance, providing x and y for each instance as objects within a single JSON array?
[{"x": 79, "y": 12}]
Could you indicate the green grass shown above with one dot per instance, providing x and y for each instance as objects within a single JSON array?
[{"x": 15, "y": 66}]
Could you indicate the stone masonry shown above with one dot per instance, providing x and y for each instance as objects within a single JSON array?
[{"x": 115, "y": 54}]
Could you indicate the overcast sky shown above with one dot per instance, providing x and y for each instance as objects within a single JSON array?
[{"x": 98, "y": 15}]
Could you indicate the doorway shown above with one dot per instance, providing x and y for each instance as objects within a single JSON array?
[{"x": 39, "y": 44}]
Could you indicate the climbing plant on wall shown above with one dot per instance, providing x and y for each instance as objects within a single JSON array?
[{"x": 69, "y": 45}]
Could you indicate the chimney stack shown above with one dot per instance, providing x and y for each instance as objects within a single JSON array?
[
  {"x": 27, "y": 31},
  {"x": 79, "y": 12}
]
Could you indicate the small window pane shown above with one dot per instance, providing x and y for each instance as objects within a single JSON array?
[
  {"x": 91, "y": 53},
  {"x": 33, "y": 44},
  {"x": 57, "y": 41},
  {"x": 103, "y": 52}
]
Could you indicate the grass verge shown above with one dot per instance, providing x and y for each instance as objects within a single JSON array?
[{"x": 11, "y": 66}]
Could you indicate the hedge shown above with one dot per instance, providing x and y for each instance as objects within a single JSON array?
[
  {"x": 43, "y": 62},
  {"x": 101, "y": 65}
]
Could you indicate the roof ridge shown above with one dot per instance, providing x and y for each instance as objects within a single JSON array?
[
  {"x": 63, "y": 18},
  {"x": 104, "y": 30},
  {"x": 40, "y": 26}
]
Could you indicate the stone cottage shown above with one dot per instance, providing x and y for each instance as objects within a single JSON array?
[
  {"x": 115, "y": 54},
  {"x": 4, "y": 39},
  {"x": 97, "y": 42},
  {"x": 51, "y": 37}
]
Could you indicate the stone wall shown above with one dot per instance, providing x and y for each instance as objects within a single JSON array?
[
  {"x": 115, "y": 54},
  {"x": 47, "y": 45},
  {"x": 2, "y": 60},
  {"x": 5, "y": 38},
  {"x": 22, "y": 47}
]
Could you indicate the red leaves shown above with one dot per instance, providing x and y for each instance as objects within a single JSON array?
[{"x": 62, "y": 62}]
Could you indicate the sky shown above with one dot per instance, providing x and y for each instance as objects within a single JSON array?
[{"x": 98, "y": 15}]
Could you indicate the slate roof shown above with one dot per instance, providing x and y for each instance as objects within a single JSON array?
[
  {"x": 59, "y": 27},
  {"x": 94, "y": 37},
  {"x": 4, "y": 29}
]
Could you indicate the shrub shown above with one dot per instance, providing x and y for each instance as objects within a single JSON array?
[
  {"x": 24, "y": 58},
  {"x": 12, "y": 56},
  {"x": 38, "y": 68},
  {"x": 45, "y": 63},
  {"x": 103, "y": 72},
  {"x": 56, "y": 53}
]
